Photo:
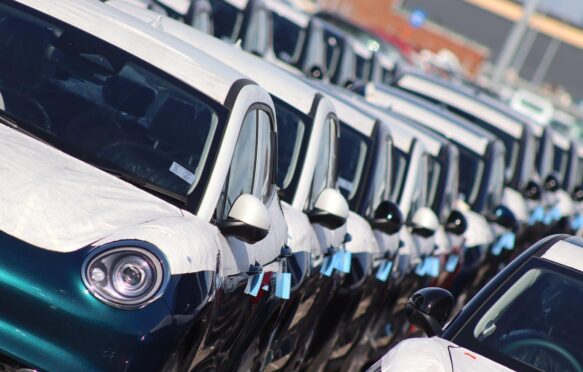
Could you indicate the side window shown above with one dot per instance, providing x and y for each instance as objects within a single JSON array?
[
  {"x": 264, "y": 177},
  {"x": 324, "y": 174},
  {"x": 251, "y": 169},
  {"x": 240, "y": 178}
]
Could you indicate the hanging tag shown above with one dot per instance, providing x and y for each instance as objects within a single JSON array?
[
  {"x": 433, "y": 269},
  {"x": 327, "y": 266},
  {"x": 497, "y": 247},
  {"x": 384, "y": 271},
  {"x": 254, "y": 284},
  {"x": 282, "y": 285},
  {"x": 509, "y": 240},
  {"x": 451, "y": 263},
  {"x": 343, "y": 262},
  {"x": 420, "y": 270},
  {"x": 537, "y": 215},
  {"x": 577, "y": 222}
]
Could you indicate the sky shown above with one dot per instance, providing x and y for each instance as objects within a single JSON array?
[{"x": 569, "y": 10}]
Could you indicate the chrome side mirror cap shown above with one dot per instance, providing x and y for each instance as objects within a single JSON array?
[
  {"x": 248, "y": 220},
  {"x": 330, "y": 209}
]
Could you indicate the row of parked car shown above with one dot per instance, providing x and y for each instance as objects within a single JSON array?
[{"x": 175, "y": 199}]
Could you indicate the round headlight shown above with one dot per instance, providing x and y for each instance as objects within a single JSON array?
[{"x": 124, "y": 277}]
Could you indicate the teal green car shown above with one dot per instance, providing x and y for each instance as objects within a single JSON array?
[{"x": 130, "y": 212}]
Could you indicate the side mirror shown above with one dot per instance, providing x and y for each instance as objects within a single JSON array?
[
  {"x": 248, "y": 220},
  {"x": 533, "y": 191},
  {"x": 551, "y": 183},
  {"x": 425, "y": 222},
  {"x": 429, "y": 308},
  {"x": 504, "y": 217},
  {"x": 330, "y": 210},
  {"x": 387, "y": 218},
  {"x": 456, "y": 223}
]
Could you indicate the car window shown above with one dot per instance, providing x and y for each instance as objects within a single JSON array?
[
  {"x": 471, "y": 170},
  {"x": 351, "y": 161},
  {"x": 324, "y": 174},
  {"x": 419, "y": 197},
  {"x": 251, "y": 169},
  {"x": 102, "y": 105},
  {"x": 382, "y": 176},
  {"x": 400, "y": 169},
  {"x": 332, "y": 53},
  {"x": 227, "y": 20},
  {"x": 291, "y": 128},
  {"x": 288, "y": 39},
  {"x": 533, "y": 318},
  {"x": 264, "y": 170}
]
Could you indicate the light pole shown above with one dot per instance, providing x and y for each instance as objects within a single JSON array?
[{"x": 513, "y": 41}]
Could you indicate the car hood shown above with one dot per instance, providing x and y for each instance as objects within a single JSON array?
[
  {"x": 59, "y": 203},
  {"x": 434, "y": 355}
]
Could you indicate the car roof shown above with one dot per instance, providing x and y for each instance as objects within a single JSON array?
[
  {"x": 446, "y": 123},
  {"x": 455, "y": 95},
  {"x": 404, "y": 130},
  {"x": 568, "y": 252},
  {"x": 275, "y": 80},
  {"x": 191, "y": 66},
  {"x": 347, "y": 113}
]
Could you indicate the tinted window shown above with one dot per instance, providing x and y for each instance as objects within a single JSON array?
[
  {"x": 288, "y": 39},
  {"x": 227, "y": 20},
  {"x": 382, "y": 175},
  {"x": 351, "y": 161},
  {"x": 400, "y": 169},
  {"x": 471, "y": 170},
  {"x": 102, "y": 105},
  {"x": 251, "y": 170},
  {"x": 533, "y": 318},
  {"x": 291, "y": 127},
  {"x": 324, "y": 173}
]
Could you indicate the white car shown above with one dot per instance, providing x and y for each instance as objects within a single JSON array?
[
  {"x": 137, "y": 187},
  {"x": 523, "y": 320}
]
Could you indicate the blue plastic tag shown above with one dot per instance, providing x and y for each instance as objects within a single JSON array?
[
  {"x": 509, "y": 240},
  {"x": 254, "y": 284},
  {"x": 433, "y": 266},
  {"x": 327, "y": 266},
  {"x": 343, "y": 261},
  {"x": 452, "y": 262},
  {"x": 537, "y": 215},
  {"x": 384, "y": 270},
  {"x": 421, "y": 268},
  {"x": 577, "y": 222},
  {"x": 497, "y": 247},
  {"x": 282, "y": 285}
]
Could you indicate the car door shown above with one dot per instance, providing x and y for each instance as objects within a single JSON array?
[{"x": 241, "y": 317}]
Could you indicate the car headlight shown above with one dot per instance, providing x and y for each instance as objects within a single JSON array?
[{"x": 124, "y": 277}]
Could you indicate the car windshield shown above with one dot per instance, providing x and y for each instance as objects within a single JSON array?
[
  {"x": 106, "y": 107},
  {"x": 533, "y": 320},
  {"x": 227, "y": 20},
  {"x": 288, "y": 39},
  {"x": 351, "y": 160},
  {"x": 293, "y": 129}
]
